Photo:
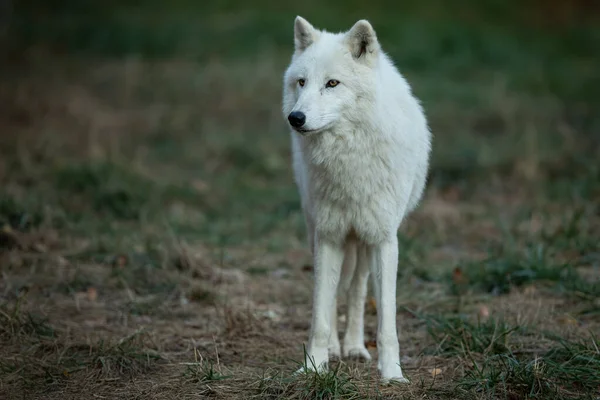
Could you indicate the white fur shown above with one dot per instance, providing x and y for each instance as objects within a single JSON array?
[{"x": 360, "y": 168}]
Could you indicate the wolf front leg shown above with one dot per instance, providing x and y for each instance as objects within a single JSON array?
[
  {"x": 354, "y": 339},
  {"x": 328, "y": 264},
  {"x": 384, "y": 267},
  {"x": 333, "y": 346}
]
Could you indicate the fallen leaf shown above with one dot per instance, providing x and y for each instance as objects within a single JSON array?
[
  {"x": 200, "y": 185},
  {"x": 530, "y": 290},
  {"x": 40, "y": 247},
  {"x": 567, "y": 320},
  {"x": 371, "y": 344},
  {"x": 460, "y": 281},
  {"x": 458, "y": 277},
  {"x": 223, "y": 275},
  {"x": 121, "y": 261},
  {"x": 92, "y": 294},
  {"x": 372, "y": 304},
  {"x": 435, "y": 372},
  {"x": 484, "y": 312},
  {"x": 61, "y": 261},
  {"x": 451, "y": 194}
]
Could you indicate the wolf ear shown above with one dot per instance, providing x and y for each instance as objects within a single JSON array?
[
  {"x": 362, "y": 40},
  {"x": 304, "y": 34}
]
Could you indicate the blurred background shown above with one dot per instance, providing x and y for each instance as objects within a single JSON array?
[
  {"x": 188, "y": 93},
  {"x": 143, "y": 155}
]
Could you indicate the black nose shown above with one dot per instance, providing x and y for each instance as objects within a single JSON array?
[{"x": 297, "y": 119}]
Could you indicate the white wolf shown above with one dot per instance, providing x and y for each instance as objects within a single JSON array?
[{"x": 361, "y": 148}]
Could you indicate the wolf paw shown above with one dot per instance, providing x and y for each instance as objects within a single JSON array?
[
  {"x": 315, "y": 360},
  {"x": 401, "y": 380},
  {"x": 307, "y": 369},
  {"x": 358, "y": 352},
  {"x": 392, "y": 374},
  {"x": 334, "y": 350}
]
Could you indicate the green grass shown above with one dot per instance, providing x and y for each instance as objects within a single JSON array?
[
  {"x": 14, "y": 323},
  {"x": 503, "y": 270},
  {"x": 496, "y": 364},
  {"x": 16, "y": 216},
  {"x": 203, "y": 372},
  {"x": 332, "y": 384},
  {"x": 457, "y": 336},
  {"x": 563, "y": 372},
  {"x": 335, "y": 383}
]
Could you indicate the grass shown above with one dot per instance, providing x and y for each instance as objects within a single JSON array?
[
  {"x": 16, "y": 323},
  {"x": 502, "y": 271},
  {"x": 148, "y": 214},
  {"x": 123, "y": 357},
  {"x": 497, "y": 361},
  {"x": 332, "y": 384},
  {"x": 37, "y": 353},
  {"x": 564, "y": 371},
  {"x": 457, "y": 336},
  {"x": 200, "y": 372}
]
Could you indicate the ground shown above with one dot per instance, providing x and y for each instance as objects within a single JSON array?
[{"x": 152, "y": 244}]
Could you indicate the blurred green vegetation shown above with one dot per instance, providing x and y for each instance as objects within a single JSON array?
[
  {"x": 510, "y": 89},
  {"x": 459, "y": 38}
]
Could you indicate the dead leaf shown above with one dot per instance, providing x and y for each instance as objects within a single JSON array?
[
  {"x": 121, "y": 261},
  {"x": 92, "y": 294},
  {"x": 200, "y": 185},
  {"x": 452, "y": 194},
  {"x": 372, "y": 305},
  {"x": 61, "y": 261},
  {"x": 460, "y": 281},
  {"x": 40, "y": 247},
  {"x": 229, "y": 275},
  {"x": 371, "y": 344},
  {"x": 567, "y": 320},
  {"x": 458, "y": 277},
  {"x": 435, "y": 372},
  {"x": 530, "y": 290},
  {"x": 484, "y": 312}
]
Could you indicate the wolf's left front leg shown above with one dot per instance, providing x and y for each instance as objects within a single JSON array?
[
  {"x": 384, "y": 267},
  {"x": 328, "y": 264},
  {"x": 354, "y": 342}
]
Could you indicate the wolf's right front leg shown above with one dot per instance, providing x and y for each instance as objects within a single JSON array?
[{"x": 328, "y": 264}]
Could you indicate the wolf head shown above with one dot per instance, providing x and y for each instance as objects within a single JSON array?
[{"x": 330, "y": 76}]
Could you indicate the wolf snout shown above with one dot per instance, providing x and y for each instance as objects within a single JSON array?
[{"x": 297, "y": 119}]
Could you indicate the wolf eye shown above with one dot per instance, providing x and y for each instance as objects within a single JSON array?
[
  {"x": 301, "y": 82},
  {"x": 332, "y": 83}
]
